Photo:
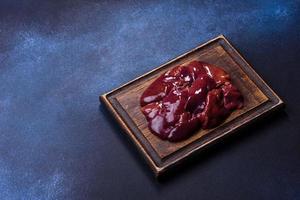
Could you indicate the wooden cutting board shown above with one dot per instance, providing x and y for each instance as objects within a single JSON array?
[{"x": 259, "y": 98}]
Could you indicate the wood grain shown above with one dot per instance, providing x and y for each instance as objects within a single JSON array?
[{"x": 124, "y": 104}]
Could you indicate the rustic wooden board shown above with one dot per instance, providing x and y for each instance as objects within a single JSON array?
[{"x": 123, "y": 102}]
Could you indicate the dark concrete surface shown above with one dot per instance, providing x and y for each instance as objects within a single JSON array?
[{"x": 56, "y": 57}]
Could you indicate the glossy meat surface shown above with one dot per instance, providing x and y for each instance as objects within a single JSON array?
[{"x": 189, "y": 97}]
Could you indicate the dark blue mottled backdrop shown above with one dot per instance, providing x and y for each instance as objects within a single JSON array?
[{"x": 56, "y": 57}]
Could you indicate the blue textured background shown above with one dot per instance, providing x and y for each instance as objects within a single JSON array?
[{"x": 56, "y": 57}]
